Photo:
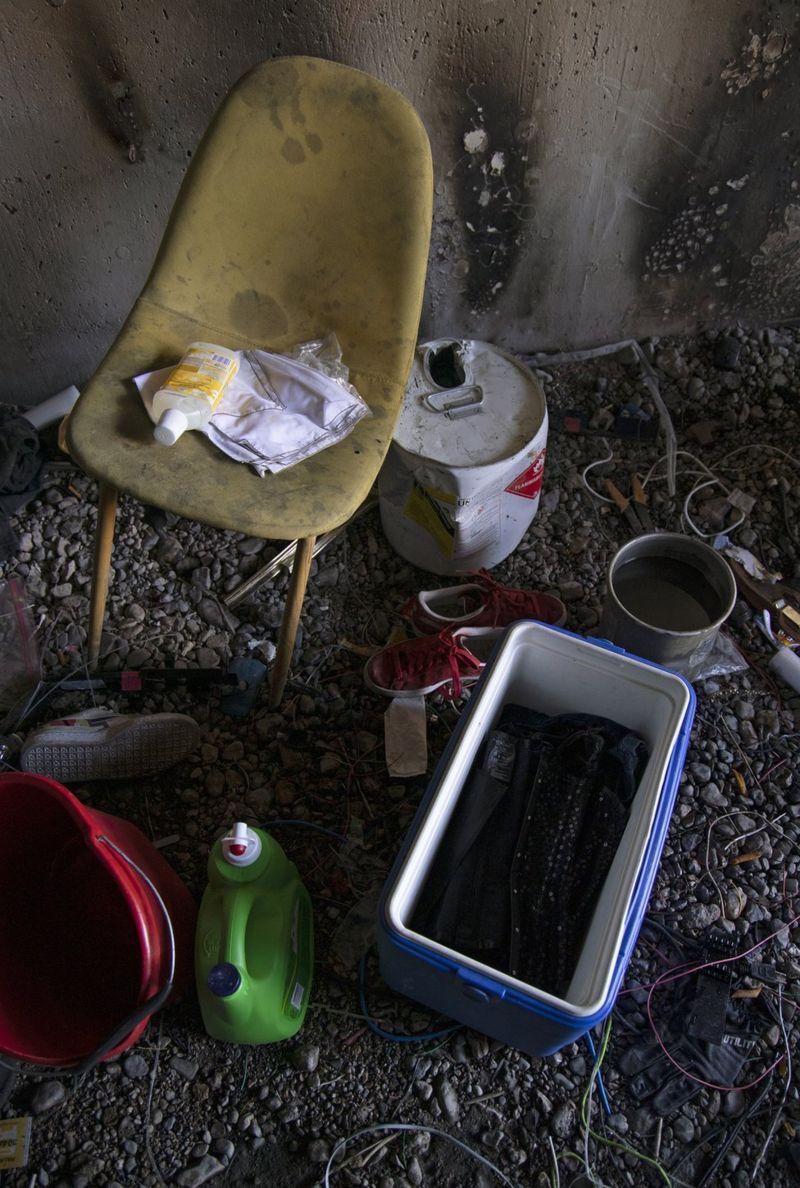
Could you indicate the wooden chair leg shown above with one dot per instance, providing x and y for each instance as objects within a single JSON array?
[
  {"x": 103, "y": 544},
  {"x": 291, "y": 617}
]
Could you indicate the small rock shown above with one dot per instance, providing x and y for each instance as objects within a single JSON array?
[
  {"x": 215, "y": 615},
  {"x": 744, "y": 710},
  {"x": 329, "y": 763},
  {"x": 215, "y": 781},
  {"x": 306, "y": 1058},
  {"x": 327, "y": 577},
  {"x": 726, "y": 352},
  {"x": 619, "y": 1123},
  {"x": 250, "y": 546},
  {"x": 701, "y": 772},
  {"x": 168, "y": 552},
  {"x": 562, "y": 1122},
  {"x": 672, "y": 363},
  {"x": 701, "y": 915},
  {"x": 733, "y": 1103},
  {"x": 234, "y": 751},
  {"x": 188, "y": 1069},
  {"x": 202, "y": 577},
  {"x": 447, "y": 1099},
  {"x": 48, "y": 1095},
  {"x": 225, "y": 1149},
  {"x": 62, "y": 591},
  {"x": 318, "y": 1151},
  {"x": 201, "y": 1173},
  {"x": 735, "y": 903},
  {"x": 683, "y": 1129},
  {"x": 712, "y": 796},
  {"x": 571, "y": 591},
  {"x": 135, "y": 1067}
]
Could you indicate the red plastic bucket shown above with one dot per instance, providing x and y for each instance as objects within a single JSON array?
[{"x": 96, "y": 930}]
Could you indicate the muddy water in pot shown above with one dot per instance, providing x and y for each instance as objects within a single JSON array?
[{"x": 666, "y": 593}]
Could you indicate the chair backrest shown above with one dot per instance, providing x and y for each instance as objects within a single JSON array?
[{"x": 306, "y": 208}]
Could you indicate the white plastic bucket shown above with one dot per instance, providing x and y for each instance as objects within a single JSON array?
[{"x": 461, "y": 482}]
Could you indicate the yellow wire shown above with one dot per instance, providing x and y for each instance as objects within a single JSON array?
[{"x": 601, "y": 1138}]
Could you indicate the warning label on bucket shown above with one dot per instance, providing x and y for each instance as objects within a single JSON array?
[
  {"x": 528, "y": 484},
  {"x": 460, "y": 527},
  {"x": 435, "y": 512}
]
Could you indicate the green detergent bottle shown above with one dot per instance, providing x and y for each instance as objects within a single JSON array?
[{"x": 254, "y": 947}]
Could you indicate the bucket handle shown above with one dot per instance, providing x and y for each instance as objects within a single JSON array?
[
  {"x": 157, "y": 1000},
  {"x": 456, "y": 402}
]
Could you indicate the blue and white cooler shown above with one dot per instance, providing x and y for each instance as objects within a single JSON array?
[{"x": 552, "y": 671}]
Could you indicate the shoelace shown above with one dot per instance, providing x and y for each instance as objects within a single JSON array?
[
  {"x": 417, "y": 660},
  {"x": 497, "y": 595}
]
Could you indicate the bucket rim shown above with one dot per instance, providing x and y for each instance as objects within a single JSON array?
[
  {"x": 92, "y": 830},
  {"x": 480, "y": 467}
]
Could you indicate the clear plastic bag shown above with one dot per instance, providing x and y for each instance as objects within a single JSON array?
[
  {"x": 717, "y": 656},
  {"x": 324, "y": 355},
  {"x": 20, "y": 668}
]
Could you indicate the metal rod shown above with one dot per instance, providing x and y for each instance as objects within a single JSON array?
[{"x": 285, "y": 558}]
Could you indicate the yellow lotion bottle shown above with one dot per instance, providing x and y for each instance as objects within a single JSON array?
[{"x": 193, "y": 390}]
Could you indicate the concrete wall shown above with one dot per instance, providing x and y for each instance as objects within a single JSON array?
[{"x": 602, "y": 167}]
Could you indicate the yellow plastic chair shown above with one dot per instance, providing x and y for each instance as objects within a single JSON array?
[{"x": 307, "y": 208}]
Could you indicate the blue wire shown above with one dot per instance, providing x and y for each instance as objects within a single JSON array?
[
  {"x": 601, "y": 1089},
  {"x": 389, "y": 1035}
]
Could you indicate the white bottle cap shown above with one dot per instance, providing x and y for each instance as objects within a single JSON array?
[
  {"x": 171, "y": 425},
  {"x": 242, "y": 846}
]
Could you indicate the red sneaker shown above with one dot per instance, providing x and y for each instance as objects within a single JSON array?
[
  {"x": 430, "y": 662},
  {"x": 480, "y": 603}
]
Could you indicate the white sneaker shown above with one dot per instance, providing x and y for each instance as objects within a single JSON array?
[{"x": 100, "y": 745}]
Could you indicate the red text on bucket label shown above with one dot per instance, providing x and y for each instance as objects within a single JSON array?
[{"x": 528, "y": 484}]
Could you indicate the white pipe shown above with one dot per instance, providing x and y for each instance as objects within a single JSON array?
[
  {"x": 53, "y": 409},
  {"x": 786, "y": 664}
]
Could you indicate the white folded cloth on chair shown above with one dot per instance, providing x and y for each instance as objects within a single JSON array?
[{"x": 275, "y": 412}]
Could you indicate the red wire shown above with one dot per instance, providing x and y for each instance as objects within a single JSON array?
[{"x": 671, "y": 976}]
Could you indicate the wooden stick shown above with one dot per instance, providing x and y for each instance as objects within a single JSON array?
[
  {"x": 103, "y": 545},
  {"x": 291, "y": 618}
]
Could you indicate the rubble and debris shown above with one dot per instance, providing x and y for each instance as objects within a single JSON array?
[{"x": 745, "y": 744}]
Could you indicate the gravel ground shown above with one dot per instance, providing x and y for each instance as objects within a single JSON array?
[{"x": 182, "y": 1109}]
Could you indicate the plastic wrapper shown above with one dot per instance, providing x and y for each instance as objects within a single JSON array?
[
  {"x": 325, "y": 355},
  {"x": 717, "y": 656},
  {"x": 20, "y": 669}
]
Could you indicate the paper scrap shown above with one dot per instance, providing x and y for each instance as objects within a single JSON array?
[
  {"x": 15, "y": 1141},
  {"x": 405, "y": 728}
]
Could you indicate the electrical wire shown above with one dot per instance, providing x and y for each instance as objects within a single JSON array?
[
  {"x": 597, "y": 462},
  {"x": 389, "y": 1035},
  {"x": 600, "y": 1086},
  {"x": 278, "y": 822},
  {"x": 674, "y": 974},
  {"x": 407, "y": 1126},
  {"x": 787, "y": 1083},
  {"x": 586, "y": 1105},
  {"x": 556, "y": 1177}
]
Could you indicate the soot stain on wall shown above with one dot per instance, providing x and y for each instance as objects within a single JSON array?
[
  {"x": 489, "y": 186},
  {"x": 728, "y": 241},
  {"x": 110, "y": 94}
]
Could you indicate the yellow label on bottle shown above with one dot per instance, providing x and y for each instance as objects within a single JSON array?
[{"x": 203, "y": 372}]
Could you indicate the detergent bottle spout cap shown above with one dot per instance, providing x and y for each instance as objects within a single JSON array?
[{"x": 242, "y": 846}]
